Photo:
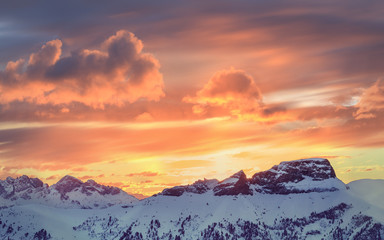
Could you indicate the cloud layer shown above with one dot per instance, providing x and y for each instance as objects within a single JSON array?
[{"x": 116, "y": 73}]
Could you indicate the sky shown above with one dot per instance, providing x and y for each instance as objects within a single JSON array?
[{"x": 145, "y": 95}]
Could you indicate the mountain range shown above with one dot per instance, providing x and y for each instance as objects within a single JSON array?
[
  {"x": 69, "y": 192},
  {"x": 301, "y": 199}
]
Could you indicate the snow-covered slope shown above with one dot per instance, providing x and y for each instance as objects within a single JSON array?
[
  {"x": 69, "y": 192},
  {"x": 235, "y": 208},
  {"x": 370, "y": 190}
]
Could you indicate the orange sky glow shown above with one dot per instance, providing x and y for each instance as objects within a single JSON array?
[{"x": 144, "y": 99}]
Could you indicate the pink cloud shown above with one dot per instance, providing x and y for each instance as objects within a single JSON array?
[
  {"x": 371, "y": 101},
  {"x": 231, "y": 89}
]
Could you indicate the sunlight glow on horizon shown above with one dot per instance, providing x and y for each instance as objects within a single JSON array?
[
  {"x": 144, "y": 97},
  {"x": 154, "y": 172}
]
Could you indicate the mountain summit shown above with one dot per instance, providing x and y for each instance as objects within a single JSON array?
[
  {"x": 304, "y": 175},
  {"x": 234, "y": 185}
]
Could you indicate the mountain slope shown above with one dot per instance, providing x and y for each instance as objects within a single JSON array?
[
  {"x": 370, "y": 190},
  {"x": 243, "y": 209}
]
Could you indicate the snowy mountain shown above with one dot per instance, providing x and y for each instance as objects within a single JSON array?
[
  {"x": 69, "y": 192},
  {"x": 300, "y": 199},
  {"x": 300, "y": 176}
]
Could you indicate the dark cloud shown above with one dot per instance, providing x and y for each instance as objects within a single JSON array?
[
  {"x": 117, "y": 73},
  {"x": 328, "y": 40}
]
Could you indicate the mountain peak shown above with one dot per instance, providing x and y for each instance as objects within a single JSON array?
[
  {"x": 239, "y": 174},
  {"x": 69, "y": 178},
  {"x": 234, "y": 185},
  {"x": 303, "y": 175},
  {"x": 10, "y": 188},
  {"x": 91, "y": 182},
  {"x": 318, "y": 168},
  {"x": 67, "y": 184},
  {"x": 24, "y": 182},
  {"x": 198, "y": 187}
]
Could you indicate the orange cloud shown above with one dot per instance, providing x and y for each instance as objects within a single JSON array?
[
  {"x": 79, "y": 169},
  {"x": 236, "y": 92},
  {"x": 189, "y": 164},
  {"x": 48, "y": 55},
  {"x": 117, "y": 73},
  {"x": 53, "y": 177},
  {"x": 143, "y": 174},
  {"x": 371, "y": 101},
  {"x": 231, "y": 89},
  {"x": 146, "y": 181},
  {"x": 87, "y": 177},
  {"x": 69, "y": 147}
]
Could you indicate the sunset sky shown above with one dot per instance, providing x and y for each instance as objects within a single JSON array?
[{"x": 145, "y": 95}]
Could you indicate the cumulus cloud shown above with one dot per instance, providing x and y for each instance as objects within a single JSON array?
[
  {"x": 116, "y": 73},
  {"x": 371, "y": 101},
  {"x": 231, "y": 89}
]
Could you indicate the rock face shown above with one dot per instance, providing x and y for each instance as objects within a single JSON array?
[
  {"x": 300, "y": 176},
  {"x": 234, "y": 185},
  {"x": 10, "y": 188},
  {"x": 91, "y": 186},
  {"x": 69, "y": 192},
  {"x": 67, "y": 184},
  {"x": 198, "y": 187},
  {"x": 70, "y": 184},
  {"x": 24, "y": 182}
]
